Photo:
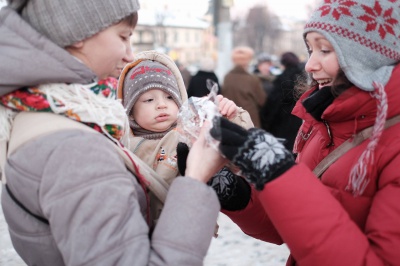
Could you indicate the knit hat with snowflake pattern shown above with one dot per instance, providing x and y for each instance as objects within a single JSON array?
[{"x": 365, "y": 35}]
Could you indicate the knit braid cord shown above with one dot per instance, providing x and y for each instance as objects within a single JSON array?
[{"x": 358, "y": 180}]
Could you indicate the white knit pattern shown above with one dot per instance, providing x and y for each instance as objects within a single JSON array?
[
  {"x": 6, "y": 120},
  {"x": 80, "y": 100}
]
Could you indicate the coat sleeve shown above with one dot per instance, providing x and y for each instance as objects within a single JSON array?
[
  {"x": 254, "y": 222},
  {"x": 319, "y": 231},
  {"x": 260, "y": 96},
  {"x": 92, "y": 203}
]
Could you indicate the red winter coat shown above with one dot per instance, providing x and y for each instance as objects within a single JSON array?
[{"x": 321, "y": 222}]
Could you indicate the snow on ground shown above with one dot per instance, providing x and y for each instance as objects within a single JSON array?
[{"x": 231, "y": 248}]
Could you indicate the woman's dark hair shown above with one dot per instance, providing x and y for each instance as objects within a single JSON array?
[
  {"x": 306, "y": 82},
  {"x": 289, "y": 59},
  {"x": 131, "y": 20}
]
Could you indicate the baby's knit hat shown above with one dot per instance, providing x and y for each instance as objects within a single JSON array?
[
  {"x": 144, "y": 76},
  {"x": 66, "y": 22},
  {"x": 365, "y": 35},
  {"x": 149, "y": 69}
]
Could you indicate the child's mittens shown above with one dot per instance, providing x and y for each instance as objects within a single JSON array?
[{"x": 182, "y": 152}]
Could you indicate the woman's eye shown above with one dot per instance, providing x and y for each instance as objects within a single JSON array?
[
  {"x": 325, "y": 51},
  {"x": 148, "y": 100},
  {"x": 309, "y": 51},
  {"x": 170, "y": 97}
]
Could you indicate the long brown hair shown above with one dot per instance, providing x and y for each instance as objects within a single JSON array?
[{"x": 305, "y": 82}]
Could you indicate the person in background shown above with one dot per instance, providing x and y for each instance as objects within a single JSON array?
[
  {"x": 242, "y": 87},
  {"x": 263, "y": 72},
  {"x": 348, "y": 213},
  {"x": 69, "y": 198},
  {"x": 186, "y": 75},
  {"x": 198, "y": 83},
  {"x": 276, "y": 113}
]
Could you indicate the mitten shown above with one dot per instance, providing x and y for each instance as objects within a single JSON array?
[
  {"x": 259, "y": 155},
  {"x": 232, "y": 190},
  {"x": 182, "y": 152}
]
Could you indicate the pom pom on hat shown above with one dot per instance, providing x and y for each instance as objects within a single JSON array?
[
  {"x": 365, "y": 35},
  {"x": 69, "y": 21}
]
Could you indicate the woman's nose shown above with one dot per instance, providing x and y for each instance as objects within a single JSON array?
[
  {"x": 129, "y": 54},
  {"x": 312, "y": 64}
]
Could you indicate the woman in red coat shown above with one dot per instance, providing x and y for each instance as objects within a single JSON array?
[{"x": 349, "y": 215}]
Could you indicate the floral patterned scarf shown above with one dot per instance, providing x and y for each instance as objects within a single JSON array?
[{"x": 94, "y": 105}]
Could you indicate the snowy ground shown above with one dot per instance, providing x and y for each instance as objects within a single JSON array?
[{"x": 231, "y": 248}]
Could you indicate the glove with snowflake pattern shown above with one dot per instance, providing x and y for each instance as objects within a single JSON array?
[
  {"x": 232, "y": 190},
  {"x": 259, "y": 155}
]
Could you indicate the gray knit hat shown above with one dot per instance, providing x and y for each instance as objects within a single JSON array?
[
  {"x": 365, "y": 35},
  {"x": 66, "y": 22},
  {"x": 148, "y": 75}
]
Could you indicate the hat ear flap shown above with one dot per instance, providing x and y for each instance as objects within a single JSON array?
[{"x": 121, "y": 79}]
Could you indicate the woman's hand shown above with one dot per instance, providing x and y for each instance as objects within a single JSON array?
[
  {"x": 259, "y": 155},
  {"x": 227, "y": 107},
  {"x": 203, "y": 160}
]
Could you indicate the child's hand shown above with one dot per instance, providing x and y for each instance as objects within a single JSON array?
[{"x": 227, "y": 107}]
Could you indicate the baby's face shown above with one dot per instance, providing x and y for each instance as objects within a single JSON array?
[{"x": 155, "y": 110}]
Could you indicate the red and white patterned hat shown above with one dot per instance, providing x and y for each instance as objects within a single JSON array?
[{"x": 365, "y": 35}]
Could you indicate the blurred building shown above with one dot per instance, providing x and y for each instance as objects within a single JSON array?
[
  {"x": 186, "y": 39},
  {"x": 264, "y": 31},
  {"x": 291, "y": 38}
]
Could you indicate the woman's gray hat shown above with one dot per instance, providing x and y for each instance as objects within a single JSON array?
[
  {"x": 66, "y": 22},
  {"x": 365, "y": 35}
]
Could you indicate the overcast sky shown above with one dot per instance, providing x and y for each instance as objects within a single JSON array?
[{"x": 288, "y": 8}]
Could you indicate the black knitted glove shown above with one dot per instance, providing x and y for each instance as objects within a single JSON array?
[
  {"x": 182, "y": 152},
  {"x": 233, "y": 191},
  {"x": 259, "y": 155}
]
